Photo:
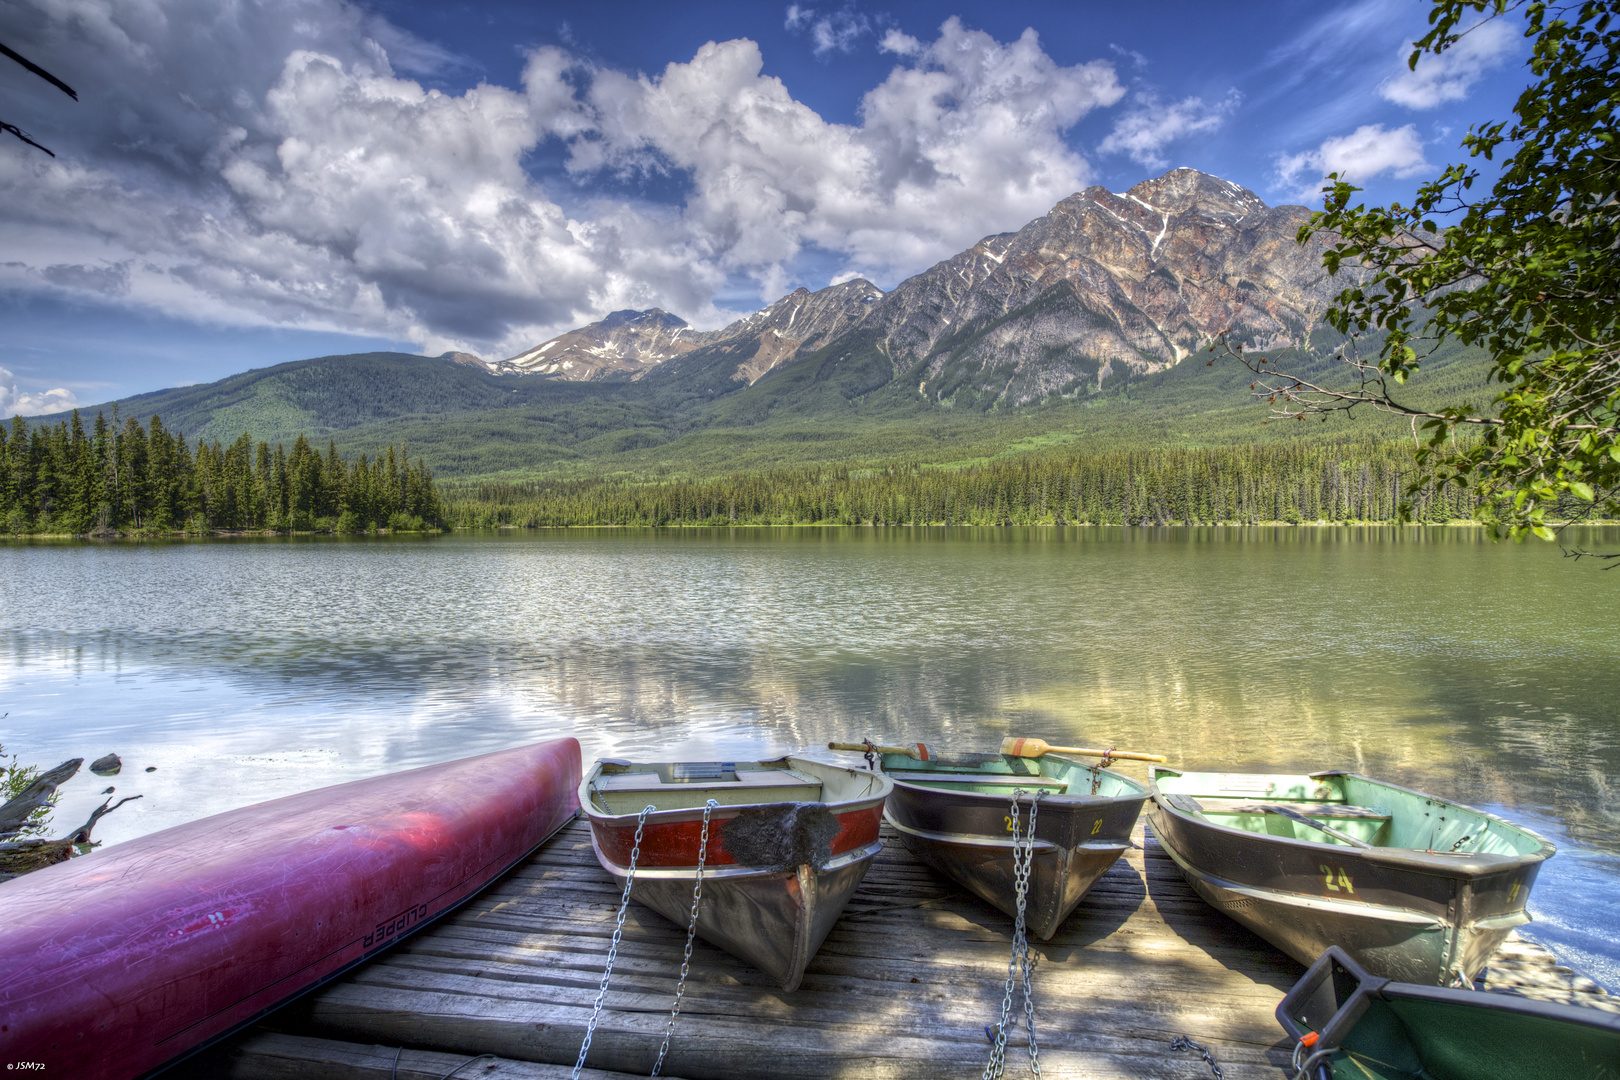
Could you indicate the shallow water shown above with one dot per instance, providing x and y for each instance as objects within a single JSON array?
[{"x": 249, "y": 668}]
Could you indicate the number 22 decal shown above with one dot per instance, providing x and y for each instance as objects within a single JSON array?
[{"x": 1343, "y": 879}]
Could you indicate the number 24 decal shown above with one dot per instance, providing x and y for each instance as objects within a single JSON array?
[{"x": 1343, "y": 879}]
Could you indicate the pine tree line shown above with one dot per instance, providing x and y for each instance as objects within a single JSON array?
[
  {"x": 1296, "y": 482},
  {"x": 63, "y": 479}
]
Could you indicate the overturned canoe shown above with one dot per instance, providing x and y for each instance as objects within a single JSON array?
[
  {"x": 788, "y": 843},
  {"x": 955, "y": 815},
  {"x": 1412, "y": 887},
  {"x": 1350, "y": 1025},
  {"x": 118, "y": 962}
]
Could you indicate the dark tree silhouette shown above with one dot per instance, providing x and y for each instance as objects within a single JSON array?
[{"x": 48, "y": 77}]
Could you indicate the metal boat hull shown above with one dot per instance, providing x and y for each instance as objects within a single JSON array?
[
  {"x": 966, "y": 836},
  {"x": 1413, "y": 915},
  {"x": 775, "y": 920},
  {"x": 776, "y": 874}
]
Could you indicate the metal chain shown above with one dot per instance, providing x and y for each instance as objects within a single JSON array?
[
  {"x": 1097, "y": 770},
  {"x": 1181, "y": 1042},
  {"x": 691, "y": 931},
  {"x": 1021, "y": 962},
  {"x": 1022, "y": 934},
  {"x": 613, "y": 946}
]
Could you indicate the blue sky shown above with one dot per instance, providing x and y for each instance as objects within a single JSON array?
[{"x": 244, "y": 183}]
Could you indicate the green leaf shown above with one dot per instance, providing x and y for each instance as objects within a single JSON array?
[
  {"x": 1581, "y": 490},
  {"x": 1544, "y": 533}
]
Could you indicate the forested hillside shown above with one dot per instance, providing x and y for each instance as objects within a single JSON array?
[
  {"x": 63, "y": 479},
  {"x": 467, "y": 424},
  {"x": 1296, "y": 481}
]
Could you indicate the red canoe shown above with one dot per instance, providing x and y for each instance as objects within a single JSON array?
[{"x": 118, "y": 962}]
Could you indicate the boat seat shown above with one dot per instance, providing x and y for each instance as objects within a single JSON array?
[
  {"x": 749, "y": 778},
  {"x": 994, "y": 779},
  {"x": 1310, "y": 810},
  {"x": 627, "y": 792}
]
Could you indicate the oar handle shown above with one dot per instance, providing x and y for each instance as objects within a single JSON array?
[
  {"x": 1117, "y": 755},
  {"x": 1015, "y": 747}
]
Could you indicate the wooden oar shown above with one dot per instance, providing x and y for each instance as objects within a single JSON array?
[
  {"x": 1039, "y": 747},
  {"x": 915, "y": 751}
]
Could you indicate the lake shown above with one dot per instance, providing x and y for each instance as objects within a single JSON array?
[{"x": 248, "y": 668}]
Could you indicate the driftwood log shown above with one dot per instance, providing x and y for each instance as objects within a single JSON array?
[
  {"x": 15, "y": 813},
  {"x": 25, "y": 856}
]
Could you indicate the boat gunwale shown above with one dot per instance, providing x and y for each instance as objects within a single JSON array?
[
  {"x": 732, "y": 871},
  {"x": 1469, "y": 865},
  {"x": 983, "y": 841},
  {"x": 1049, "y": 799},
  {"x": 728, "y": 810}
]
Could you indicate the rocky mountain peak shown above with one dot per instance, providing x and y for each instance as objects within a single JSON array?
[{"x": 1105, "y": 283}]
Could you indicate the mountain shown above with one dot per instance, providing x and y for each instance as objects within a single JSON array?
[
  {"x": 1072, "y": 328},
  {"x": 625, "y": 345},
  {"x": 1105, "y": 285},
  {"x": 628, "y": 344}
]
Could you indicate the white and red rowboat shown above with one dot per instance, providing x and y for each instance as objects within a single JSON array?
[
  {"x": 116, "y": 963},
  {"x": 788, "y": 844}
]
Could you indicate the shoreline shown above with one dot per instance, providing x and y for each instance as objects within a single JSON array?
[{"x": 225, "y": 534}]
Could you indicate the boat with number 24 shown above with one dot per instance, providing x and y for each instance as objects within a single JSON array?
[{"x": 1412, "y": 887}]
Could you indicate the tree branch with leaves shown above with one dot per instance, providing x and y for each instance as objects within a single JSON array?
[{"x": 1526, "y": 271}]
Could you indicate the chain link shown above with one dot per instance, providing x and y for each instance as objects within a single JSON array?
[
  {"x": 691, "y": 931},
  {"x": 613, "y": 946},
  {"x": 1022, "y": 961},
  {"x": 1181, "y": 1042}
]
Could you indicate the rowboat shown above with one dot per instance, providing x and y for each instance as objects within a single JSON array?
[
  {"x": 955, "y": 814},
  {"x": 1350, "y": 1025},
  {"x": 1412, "y": 887},
  {"x": 118, "y": 962},
  {"x": 789, "y": 841}
]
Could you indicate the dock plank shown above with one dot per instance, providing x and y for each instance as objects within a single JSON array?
[{"x": 902, "y": 989}]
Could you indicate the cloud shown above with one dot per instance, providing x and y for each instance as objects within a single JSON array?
[
  {"x": 266, "y": 165},
  {"x": 1151, "y": 125},
  {"x": 1367, "y": 152},
  {"x": 1137, "y": 60},
  {"x": 14, "y": 402},
  {"x": 1450, "y": 75},
  {"x": 838, "y": 30},
  {"x": 900, "y": 43}
]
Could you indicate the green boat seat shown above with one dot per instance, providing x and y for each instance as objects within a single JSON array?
[{"x": 1311, "y": 810}]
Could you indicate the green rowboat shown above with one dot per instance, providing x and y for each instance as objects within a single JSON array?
[
  {"x": 1349, "y": 1025},
  {"x": 1412, "y": 887}
]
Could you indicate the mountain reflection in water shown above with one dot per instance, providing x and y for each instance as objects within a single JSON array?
[{"x": 250, "y": 668}]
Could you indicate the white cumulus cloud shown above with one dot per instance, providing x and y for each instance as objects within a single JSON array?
[
  {"x": 836, "y": 30},
  {"x": 1450, "y": 75},
  {"x": 1367, "y": 152},
  {"x": 15, "y": 402},
  {"x": 249, "y": 163},
  {"x": 1151, "y": 125}
]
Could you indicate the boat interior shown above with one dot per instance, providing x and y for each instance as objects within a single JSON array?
[
  {"x": 625, "y": 787},
  {"x": 1341, "y": 809},
  {"x": 1000, "y": 774}
]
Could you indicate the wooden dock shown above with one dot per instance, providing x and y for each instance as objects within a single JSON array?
[{"x": 902, "y": 989}]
